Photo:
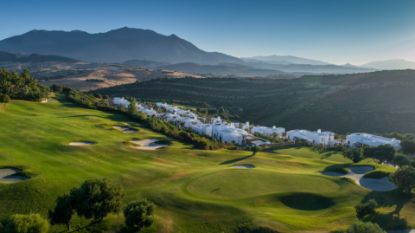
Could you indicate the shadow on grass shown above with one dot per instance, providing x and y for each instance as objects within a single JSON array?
[
  {"x": 307, "y": 201},
  {"x": 254, "y": 229},
  {"x": 236, "y": 160}
]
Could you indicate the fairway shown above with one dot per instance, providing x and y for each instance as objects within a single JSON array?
[{"x": 58, "y": 145}]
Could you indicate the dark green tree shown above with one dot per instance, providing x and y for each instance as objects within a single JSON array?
[
  {"x": 132, "y": 108},
  {"x": 408, "y": 147},
  {"x": 95, "y": 199},
  {"x": 138, "y": 215},
  {"x": 383, "y": 153},
  {"x": 401, "y": 160},
  {"x": 404, "y": 178},
  {"x": 63, "y": 211},
  {"x": 366, "y": 209},
  {"x": 354, "y": 154}
]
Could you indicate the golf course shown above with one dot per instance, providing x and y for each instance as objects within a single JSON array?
[{"x": 49, "y": 148}]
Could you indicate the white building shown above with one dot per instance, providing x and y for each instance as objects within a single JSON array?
[
  {"x": 358, "y": 139},
  {"x": 228, "y": 133},
  {"x": 313, "y": 137},
  {"x": 268, "y": 131},
  {"x": 121, "y": 101}
]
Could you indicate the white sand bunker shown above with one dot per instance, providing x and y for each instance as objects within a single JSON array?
[
  {"x": 356, "y": 173},
  {"x": 146, "y": 144},
  {"x": 84, "y": 143},
  {"x": 124, "y": 129},
  {"x": 243, "y": 166},
  {"x": 11, "y": 175}
]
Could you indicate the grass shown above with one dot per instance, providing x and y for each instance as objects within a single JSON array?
[{"x": 194, "y": 190}]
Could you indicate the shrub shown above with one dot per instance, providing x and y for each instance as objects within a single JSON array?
[
  {"x": 366, "y": 209},
  {"x": 138, "y": 215},
  {"x": 364, "y": 227},
  {"x": 408, "y": 147},
  {"x": 31, "y": 223},
  {"x": 4, "y": 98}
]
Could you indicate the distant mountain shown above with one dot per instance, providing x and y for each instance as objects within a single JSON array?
[
  {"x": 225, "y": 69},
  {"x": 285, "y": 60},
  {"x": 6, "y": 57},
  {"x": 395, "y": 64},
  {"x": 113, "y": 46}
]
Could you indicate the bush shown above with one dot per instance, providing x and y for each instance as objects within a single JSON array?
[
  {"x": 366, "y": 209},
  {"x": 4, "y": 98},
  {"x": 138, "y": 215},
  {"x": 31, "y": 223},
  {"x": 354, "y": 154},
  {"x": 404, "y": 178},
  {"x": 383, "y": 153},
  {"x": 364, "y": 227}
]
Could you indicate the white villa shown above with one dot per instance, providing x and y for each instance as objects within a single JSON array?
[
  {"x": 121, "y": 101},
  {"x": 318, "y": 137},
  {"x": 268, "y": 131},
  {"x": 357, "y": 139}
]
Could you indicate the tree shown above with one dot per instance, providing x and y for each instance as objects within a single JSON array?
[
  {"x": 31, "y": 223},
  {"x": 138, "y": 215},
  {"x": 383, "y": 153},
  {"x": 366, "y": 209},
  {"x": 62, "y": 213},
  {"x": 408, "y": 147},
  {"x": 254, "y": 150},
  {"x": 365, "y": 227},
  {"x": 404, "y": 178},
  {"x": 4, "y": 98},
  {"x": 96, "y": 199},
  {"x": 401, "y": 160},
  {"x": 354, "y": 154},
  {"x": 132, "y": 107}
]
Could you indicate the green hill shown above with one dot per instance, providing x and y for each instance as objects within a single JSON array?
[
  {"x": 375, "y": 102},
  {"x": 194, "y": 190}
]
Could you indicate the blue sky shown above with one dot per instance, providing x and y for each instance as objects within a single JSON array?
[{"x": 337, "y": 31}]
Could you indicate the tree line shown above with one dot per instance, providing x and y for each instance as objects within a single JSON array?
[{"x": 93, "y": 200}]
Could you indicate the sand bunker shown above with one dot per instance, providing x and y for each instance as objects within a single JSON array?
[
  {"x": 146, "y": 144},
  {"x": 356, "y": 173},
  {"x": 84, "y": 143},
  {"x": 12, "y": 175},
  {"x": 380, "y": 184},
  {"x": 244, "y": 166},
  {"x": 125, "y": 129}
]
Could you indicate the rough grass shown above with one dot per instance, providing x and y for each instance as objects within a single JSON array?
[{"x": 194, "y": 190}]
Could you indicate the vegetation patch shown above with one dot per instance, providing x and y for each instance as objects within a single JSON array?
[{"x": 307, "y": 201}]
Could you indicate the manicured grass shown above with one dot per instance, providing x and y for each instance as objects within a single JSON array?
[{"x": 194, "y": 190}]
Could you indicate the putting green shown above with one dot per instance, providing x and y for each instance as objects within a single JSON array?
[{"x": 231, "y": 184}]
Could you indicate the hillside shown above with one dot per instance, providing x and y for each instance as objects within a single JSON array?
[
  {"x": 285, "y": 60},
  {"x": 375, "y": 102},
  {"x": 395, "y": 64},
  {"x": 31, "y": 58},
  {"x": 117, "y": 45}
]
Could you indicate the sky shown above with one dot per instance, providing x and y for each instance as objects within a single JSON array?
[{"x": 336, "y": 31}]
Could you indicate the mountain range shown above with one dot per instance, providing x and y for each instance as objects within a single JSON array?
[
  {"x": 147, "y": 48},
  {"x": 116, "y": 45}
]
